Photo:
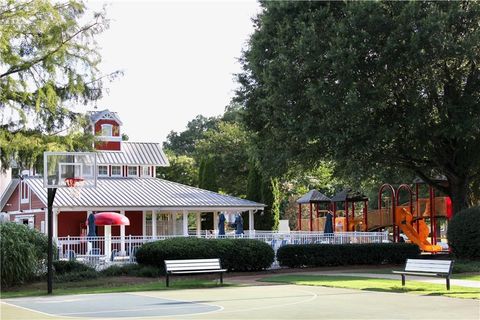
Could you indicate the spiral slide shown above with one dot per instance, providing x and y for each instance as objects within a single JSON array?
[{"x": 404, "y": 220}]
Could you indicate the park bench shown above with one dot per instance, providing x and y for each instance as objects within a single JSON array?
[
  {"x": 427, "y": 268},
  {"x": 192, "y": 266}
]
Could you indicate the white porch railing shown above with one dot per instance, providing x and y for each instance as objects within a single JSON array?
[{"x": 102, "y": 251}]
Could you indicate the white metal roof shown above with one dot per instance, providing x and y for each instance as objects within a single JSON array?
[
  {"x": 134, "y": 153},
  {"x": 104, "y": 114},
  {"x": 142, "y": 194}
]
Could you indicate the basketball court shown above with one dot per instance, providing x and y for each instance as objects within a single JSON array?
[{"x": 247, "y": 302}]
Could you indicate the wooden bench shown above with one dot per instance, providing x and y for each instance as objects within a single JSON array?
[
  {"x": 427, "y": 268},
  {"x": 193, "y": 266}
]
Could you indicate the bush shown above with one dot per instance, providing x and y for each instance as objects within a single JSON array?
[
  {"x": 234, "y": 254},
  {"x": 86, "y": 274},
  {"x": 23, "y": 253},
  {"x": 464, "y": 234},
  {"x": 133, "y": 270},
  {"x": 319, "y": 255},
  {"x": 63, "y": 267}
]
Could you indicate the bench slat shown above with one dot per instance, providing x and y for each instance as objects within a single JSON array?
[
  {"x": 199, "y": 271},
  {"x": 191, "y": 261},
  {"x": 194, "y": 268},
  {"x": 443, "y": 266},
  {"x": 180, "y": 265}
]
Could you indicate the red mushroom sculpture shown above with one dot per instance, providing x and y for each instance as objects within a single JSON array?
[
  {"x": 111, "y": 219},
  {"x": 107, "y": 220}
]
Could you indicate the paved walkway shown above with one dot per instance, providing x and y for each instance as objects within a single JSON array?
[{"x": 253, "y": 280}]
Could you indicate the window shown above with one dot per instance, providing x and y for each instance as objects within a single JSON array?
[
  {"x": 116, "y": 171},
  {"x": 24, "y": 192},
  {"x": 103, "y": 170},
  {"x": 106, "y": 130},
  {"x": 146, "y": 171},
  {"x": 132, "y": 171}
]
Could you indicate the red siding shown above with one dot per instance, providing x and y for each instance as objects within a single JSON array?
[
  {"x": 70, "y": 223},
  {"x": 136, "y": 223},
  {"x": 13, "y": 201},
  {"x": 115, "y": 127},
  {"x": 39, "y": 217},
  {"x": 36, "y": 202},
  {"x": 107, "y": 145}
]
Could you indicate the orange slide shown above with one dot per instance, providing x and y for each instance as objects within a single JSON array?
[{"x": 404, "y": 219}]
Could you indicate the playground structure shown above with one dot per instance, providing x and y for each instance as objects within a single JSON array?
[{"x": 421, "y": 216}]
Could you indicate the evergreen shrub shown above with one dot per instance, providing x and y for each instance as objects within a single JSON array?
[
  {"x": 464, "y": 234},
  {"x": 62, "y": 267},
  {"x": 319, "y": 255},
  {"x": 23, "y": 253},
  {"x": 234, "y": 254}
]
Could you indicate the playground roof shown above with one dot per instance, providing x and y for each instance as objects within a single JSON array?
[
  {"x": 314, "y": 196},
  {"x": 349, "y": 195}
]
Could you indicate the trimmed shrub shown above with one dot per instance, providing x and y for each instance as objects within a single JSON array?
[
  {"x": 134, "y": 270},
  {"x": 234, "y": 254},
  {"x": 23, "y": 253},
  {"x": 464, "y": 234},
  {"x": 87, "y": 274},
  {"x": 319, "y": 255},
  {"x": 63, "y": 267}
]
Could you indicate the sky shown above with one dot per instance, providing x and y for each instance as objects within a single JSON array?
[{"x": 179, "y": 59}]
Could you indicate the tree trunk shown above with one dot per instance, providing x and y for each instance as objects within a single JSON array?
[{"x": 458, "y": 193}]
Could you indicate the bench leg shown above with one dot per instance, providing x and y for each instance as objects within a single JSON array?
[
  {"x": 403, "y": 280},
  {"x": 448, "y": 283},
  {"x": 221, "y": 278},
  {"x": 167, "y": 280}
]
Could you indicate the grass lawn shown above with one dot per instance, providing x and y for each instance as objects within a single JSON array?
[
  {"x": 384, "y": 285},
  {"x": 106, "y": 285}
]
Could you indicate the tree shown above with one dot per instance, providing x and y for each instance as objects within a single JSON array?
[
  {"x": 48, "y": 61},
  {"x": 184, "y": 143},
  {"x": 182, "y": 169},
  {"x": 372, "y": 85},
  {"x": 254, "y": 182},
  {"x": 208, "y": 181},
  {"x": 228, "y": 146}
]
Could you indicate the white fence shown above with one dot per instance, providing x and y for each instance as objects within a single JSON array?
[{"x": 102, "y": 251}]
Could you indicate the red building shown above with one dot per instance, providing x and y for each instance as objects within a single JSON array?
[{"x": 126, "y": 184}]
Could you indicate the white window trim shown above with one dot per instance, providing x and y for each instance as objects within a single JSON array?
[
  {"x": 102, "y": 174},
  {"x": 132, "y": 175},
  {"x": 148, "y": 171},
  {"x": 116, "y": 175},
  {"x": 22, "y": 199}
]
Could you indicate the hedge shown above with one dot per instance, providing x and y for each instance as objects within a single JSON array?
[
  {"x": 234, "y": 254},
  {"x": 319, "y": 255},
  {"x": 464, "y": 234}
]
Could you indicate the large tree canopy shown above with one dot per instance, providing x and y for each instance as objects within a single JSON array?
[
  {"x": 371, "y": 85},
  {"x": 48, "y": 61}
]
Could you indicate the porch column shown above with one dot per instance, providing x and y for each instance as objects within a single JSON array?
[
  {"x": 108, "y": 242},
  {"x": 251, "y": 223},
  {"x": 174, "y": 224},
  {"x": 45, "y": 231},
  {"x": 199, "y": 223},
  {"x": 122, "y": 236},
  {"x": 185, "y": 223},
  {"x": 55, "y": 223},
  {"x": 215, "y": 223},
  {"x": 154, "y": 224},
  {"x": 144, "y": 223}
]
